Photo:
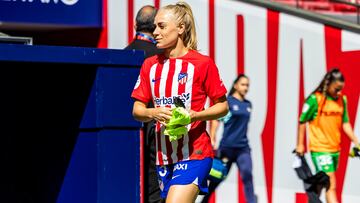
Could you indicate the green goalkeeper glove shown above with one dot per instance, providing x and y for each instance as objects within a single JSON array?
[
  {"x": 355, "y": 151},
  {"x": 176, "y": 127}
]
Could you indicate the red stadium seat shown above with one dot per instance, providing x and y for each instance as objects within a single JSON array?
[{"x": 323, "y": 6}]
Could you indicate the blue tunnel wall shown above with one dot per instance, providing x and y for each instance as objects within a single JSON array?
[{"x": 71, "y": 136}]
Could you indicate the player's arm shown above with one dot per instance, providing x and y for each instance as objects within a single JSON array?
[
  {"x": 218, "y": 110},
  {"x": 300, "y": 144},
  {"x": 216, "y": 91},
  {"x": 309, "y": 111},
  {"x": 213, "y": 129},
  {"x": 143, "y": 114},
  {"x": 347, "y": 128}
]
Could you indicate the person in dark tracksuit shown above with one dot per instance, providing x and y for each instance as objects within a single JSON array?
[
  {"x": 234, "y": 145},
  {"x": 144, "y": 40}
]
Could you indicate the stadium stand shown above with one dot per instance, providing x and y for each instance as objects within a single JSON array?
[{"x": 343, "y": 9}]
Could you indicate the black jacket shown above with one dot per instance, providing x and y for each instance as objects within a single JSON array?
[
  {"x": 313, "y": 184},
  {"x": 149, "y": 47},
  {"x": 150, "y": 50},
  {"x": 151, "y": 185}
]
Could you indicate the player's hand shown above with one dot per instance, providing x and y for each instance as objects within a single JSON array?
[
  {"x": 193, "y": 115},
  {"x": 213, "y": 142},
  {"x": 162, "y": 114},
  {"x": 355, "y": 151},
  {"x": 300, "y": 150}
]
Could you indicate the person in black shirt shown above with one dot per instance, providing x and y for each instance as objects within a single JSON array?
[
  {"x": 144, "y": 27},
  {"x": 144, "y": 40}
]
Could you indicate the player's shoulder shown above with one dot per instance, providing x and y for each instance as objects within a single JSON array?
[
  {"x": 201, "y": 57},
  {"x": 150, "y": 61},
  {"x": 344, "y": 98},
  {"x": 247, "y": 101},
  {"x": 199, "y": 60},
  {"x": 313, "y": 99},
  {"x": 313, "y": 96}
]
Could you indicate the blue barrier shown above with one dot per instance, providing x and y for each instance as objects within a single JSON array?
[
  {"x": 75, "y": 132},
  {"x": 52, "y": 13}
]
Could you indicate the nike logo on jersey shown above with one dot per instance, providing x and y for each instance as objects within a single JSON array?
[
  {"x": 155, "y": 79},
  {"x": 175, "y": 176}
]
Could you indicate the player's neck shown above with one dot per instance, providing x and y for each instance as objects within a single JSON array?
[
  {"x": 177, "y": 51},
  {"x": 238, "y": 96}
]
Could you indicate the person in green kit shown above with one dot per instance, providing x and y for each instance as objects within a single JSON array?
[{"x": 325, "y": 110}]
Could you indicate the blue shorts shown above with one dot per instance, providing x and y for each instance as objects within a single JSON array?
[{"x": 184, "y": 173}]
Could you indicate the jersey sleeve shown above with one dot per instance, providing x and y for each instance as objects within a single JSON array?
[
  {"x": 309, "y": 109},
  {"x": 214, "y": 86},
  {"x": 142, "y": 90},
  {"x": 345, "y": 114}
]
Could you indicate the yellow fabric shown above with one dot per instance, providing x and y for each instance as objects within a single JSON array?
[
  {"x": 176, "y": 127},
  {"x": 325, "y": 129}
]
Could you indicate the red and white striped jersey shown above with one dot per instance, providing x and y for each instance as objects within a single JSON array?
[{"x": 192, "y": 77}]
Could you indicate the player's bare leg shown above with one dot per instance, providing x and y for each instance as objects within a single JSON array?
[
  {"x": 182, "y": 193},
  {"x": 331, "y": 193}
]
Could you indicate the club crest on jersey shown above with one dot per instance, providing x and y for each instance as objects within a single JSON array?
[{"x": 182, "y": 78}]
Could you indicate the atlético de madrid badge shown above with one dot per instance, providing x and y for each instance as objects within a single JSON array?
[{"x": 182, "y": 78}]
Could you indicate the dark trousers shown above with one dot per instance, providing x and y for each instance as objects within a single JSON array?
[
  {"x": 151, "y": 184},
  {"x": 242, "y": 157}
]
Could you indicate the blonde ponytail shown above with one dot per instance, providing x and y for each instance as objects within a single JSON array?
[{"x": 184, "y": 15}]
